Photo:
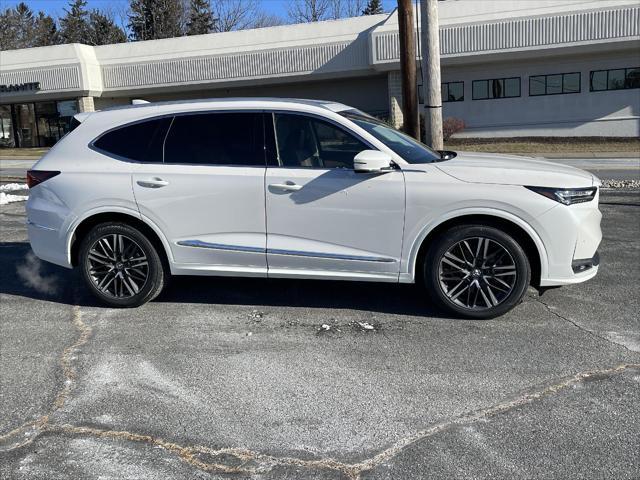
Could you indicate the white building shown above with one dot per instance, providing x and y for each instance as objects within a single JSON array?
[{"x": 509, "y": 68}]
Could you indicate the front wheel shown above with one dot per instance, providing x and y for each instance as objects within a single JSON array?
[
  {"x": 476, "y": 271},
  {"x": 120, "y": 265}
]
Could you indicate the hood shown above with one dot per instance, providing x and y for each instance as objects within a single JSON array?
[{"x": 513, "y": 170}]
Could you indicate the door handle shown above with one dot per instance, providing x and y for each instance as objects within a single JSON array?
[
  {"x": 154, "y": 182},
  {"x": 287, "y": 187}
]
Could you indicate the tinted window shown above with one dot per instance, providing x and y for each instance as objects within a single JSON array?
[
  {"x": 496, "y": 88},
  {"x": 633, "y": 78},
  {"x": 141, "y": 141},
  {"x": 407, "y": 147},
  {"x": 599, "y": 80},
  {"x": 308, "y": 142},
  {"x": 571, "y": 83},
  {"x": 512, "y": 87},
  {"x": 216, "y": 139},
  {"x": 615, "y": 79},
  {"x": 453, "y": 92},
  {"x": 480, "y": 89},
  {"x": 537, "y": 85},
  {"x": 554, "y": 84}
]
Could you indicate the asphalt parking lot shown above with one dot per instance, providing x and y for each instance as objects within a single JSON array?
[{"x": 237, "y": 378}]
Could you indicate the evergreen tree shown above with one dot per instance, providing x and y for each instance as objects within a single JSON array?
[
  {"x": 74, "y": 26},
  {"x": 103, "y": 30},
  {"x": 45, "y": 31},
  {"x": 200, "y": 17},
  {"x": 25, "y": 23},
  {"x": 374, "y": 7},
  {"x": 152, "y": 19},
  {"x": 7, "y": 30},
  {"x": 21, "y": 29}
]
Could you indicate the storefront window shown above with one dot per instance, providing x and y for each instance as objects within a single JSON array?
[
  {"x": 6, "y": 127},
  {"x": 35, "y": 124},
  {"x": 25, "y": 118}
]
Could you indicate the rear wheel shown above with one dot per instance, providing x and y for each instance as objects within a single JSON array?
[
  {"x": 476, "y": 271},
  {"x": 120, "y": 265}
]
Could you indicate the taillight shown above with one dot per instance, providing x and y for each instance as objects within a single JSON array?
[{"x": 36, "y": 177}]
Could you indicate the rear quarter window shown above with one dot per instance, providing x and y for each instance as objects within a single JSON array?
[{"x": 141, "y": 141}]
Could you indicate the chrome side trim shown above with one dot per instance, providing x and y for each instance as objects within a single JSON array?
[
  {"x": 37, "y": 225},
  {"x": 276, "y": 251},
  {"x": 333, "y": 256},
  {"x": 219, "y": 246}
]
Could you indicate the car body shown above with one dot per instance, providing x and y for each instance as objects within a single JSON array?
[{"x": 268, "y": 188}]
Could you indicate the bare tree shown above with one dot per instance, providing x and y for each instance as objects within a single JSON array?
[
  {"x": 119, "y": 12},
  {"x": 335, "y": 9},
  {"x": 354, "y": 8},
  {"x": 346, "y": 8},
  {"x": 240, "y": 15},
  {"x": 303, "y": 11},
  {"x": 265, "y": 19}
]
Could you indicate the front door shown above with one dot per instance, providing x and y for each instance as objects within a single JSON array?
[
  {"x": 323, "y": 219},
  {"x": 207, "y": 195}
]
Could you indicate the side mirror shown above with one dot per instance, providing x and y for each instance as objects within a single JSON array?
[
  {"x": 447, "y": 154},
  {"x": 372, "y": 161}
]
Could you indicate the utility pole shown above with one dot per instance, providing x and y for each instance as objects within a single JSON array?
[
  {"x": 431, "y": 68},
  {"x": 408, "y": 68}
]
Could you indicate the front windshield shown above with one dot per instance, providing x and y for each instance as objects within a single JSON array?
[{"x": 407, "y": 147}]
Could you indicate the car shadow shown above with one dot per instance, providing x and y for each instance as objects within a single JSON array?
[{"x": 23, "y": 275}]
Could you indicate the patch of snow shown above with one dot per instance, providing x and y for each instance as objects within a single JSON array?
[
  {"x": 12, "y": 187},
  {"x": 615, "y": 184},
  {"x": 6, "y": 198}
]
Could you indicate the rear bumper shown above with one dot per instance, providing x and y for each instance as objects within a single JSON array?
[{"x": 48, "y": 244}]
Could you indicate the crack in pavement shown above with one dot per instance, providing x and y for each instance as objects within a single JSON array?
[
  {"x": 244, "y": 461},
  {"x": 588, "y": 331},
  {"x": 261, "y": 463},
  {"x": 31, "y": 430}
]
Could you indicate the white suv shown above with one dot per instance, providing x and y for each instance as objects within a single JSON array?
[{"x": 303, "y": 189}]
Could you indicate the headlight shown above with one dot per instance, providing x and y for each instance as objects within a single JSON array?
[{"x": 567, "y": 196}]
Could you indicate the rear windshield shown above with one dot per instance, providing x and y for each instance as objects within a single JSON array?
[{"x": 411, "y": 150}]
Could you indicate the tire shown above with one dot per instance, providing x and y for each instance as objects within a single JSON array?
[
  {"x": 130, "y": 275},
  {"x": 476, "y": 271}
]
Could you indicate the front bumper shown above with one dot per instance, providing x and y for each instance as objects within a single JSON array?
[
  {"x": 579, "y": 266},
  {"x": 572, "y": 235}
]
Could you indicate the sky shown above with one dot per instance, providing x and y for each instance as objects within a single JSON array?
[{"x": 55, "y": 8}]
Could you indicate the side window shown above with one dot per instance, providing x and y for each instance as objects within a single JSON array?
[
  {"x": 141, "y": 141},
  {"x": 216, "y": 139},
  {"x": 308, "y": 142}
]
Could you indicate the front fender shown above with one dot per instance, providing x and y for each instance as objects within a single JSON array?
[{"x": 416, "y": 243}]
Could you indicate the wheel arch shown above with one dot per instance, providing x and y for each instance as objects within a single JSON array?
[
  {"x": 86, "y": 224},
  {"x": 517, "y": 228}
]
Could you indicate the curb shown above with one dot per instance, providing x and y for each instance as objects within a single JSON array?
[{"x": 587, "y": 155}]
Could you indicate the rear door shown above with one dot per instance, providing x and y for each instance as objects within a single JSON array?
[{"x": 204, "y": 189}]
